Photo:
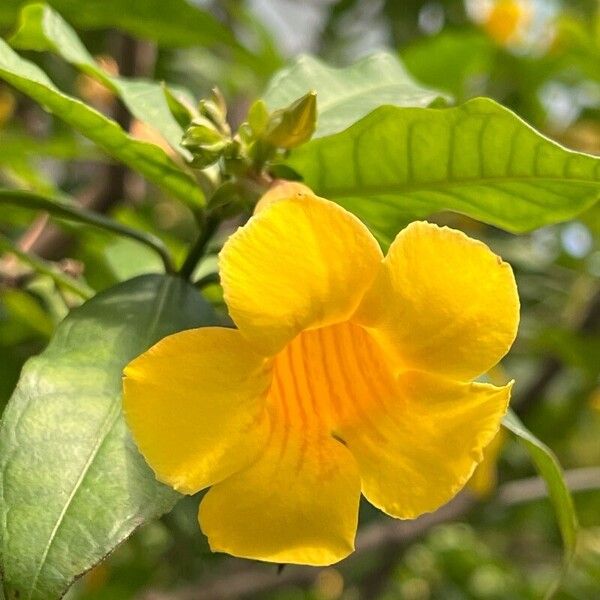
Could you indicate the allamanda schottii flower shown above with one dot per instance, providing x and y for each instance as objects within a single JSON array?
[{"x": 348, "y": 373}]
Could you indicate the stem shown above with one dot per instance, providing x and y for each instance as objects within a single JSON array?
[
  {"x": 59, "y": 208},
  {"x": 208, "y": 226},
  {"x": 46, "y": 268}
]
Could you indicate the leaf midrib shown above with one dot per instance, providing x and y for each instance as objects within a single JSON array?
[
  {"x": 365, "y": 190},
  {"x": 106, "y": 428}
]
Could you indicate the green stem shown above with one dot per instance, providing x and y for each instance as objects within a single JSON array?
[
  {"x": 47, "y": 268},
  {"x": 61, "y": 209},
  {"x": 197, "y": 251}
]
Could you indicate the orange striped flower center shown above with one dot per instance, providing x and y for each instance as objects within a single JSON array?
[{"x": 328, "y": 377}]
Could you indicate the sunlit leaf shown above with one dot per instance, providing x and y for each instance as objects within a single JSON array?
[
  {"x": 173, "y": 23},
  {"x": 148, "y": 159},
  {"x": 43, "y": 29},
  {"x": 63, "y": 145},
  {"x": 346, "y": 95},
  {"x": 478, "y": 159},
  {"x": 25, "y": 314},
  {"x": 72, "y": 483}
]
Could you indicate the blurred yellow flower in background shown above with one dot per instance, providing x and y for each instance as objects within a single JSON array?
[
  {"x": 506, "y": 20},
  {"x": 485, "y": 477},
  {"x": 7, "y": 105},
  {"x": 594, "y": 399},
  {"x": 348, "y": 372}
]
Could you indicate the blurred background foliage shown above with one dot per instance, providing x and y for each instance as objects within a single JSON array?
[{"x": 540, "y": 58}]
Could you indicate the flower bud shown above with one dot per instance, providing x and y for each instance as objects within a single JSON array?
[
  {"x": 291, "y": 126},
  {"x": 258, "y": 117},
  {"x": 206, "y": 143},
  {"x": 214, "y": 109}
]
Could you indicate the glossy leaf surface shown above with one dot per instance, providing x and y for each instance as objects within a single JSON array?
[
  {"x": 478, "y": 159},
  {"x": 346, "y": 95},
  {"x": 72, "y": 483},
  {"x": 148, "y": 159},
  {"x": 549, "y": 469},
  {"x": 43, "y": 29}
]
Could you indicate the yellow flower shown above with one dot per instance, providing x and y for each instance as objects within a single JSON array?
[
  {"x": 348, "y": 372},
  {"x": 506, "y": 20}
]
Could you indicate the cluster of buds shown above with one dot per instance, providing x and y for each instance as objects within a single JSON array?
[
  {"x": 244, "y": 159},
  {"x": 284, "y": 128},
  {"x": 265, "y": 134},
  {"x": 258, "y": 140},
  {"x": 208, "y": 137}
]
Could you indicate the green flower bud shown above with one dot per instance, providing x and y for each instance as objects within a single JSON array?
[
  {"x": 206, "y": 143},
  {"x": 258, "y": 117},
  {"x": 215, "y": 110},
  {"x": 291, "y": 126}
]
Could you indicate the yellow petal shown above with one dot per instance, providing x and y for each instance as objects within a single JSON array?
[
  {"x": 298, "y": 503},
  {"x": 195, "y": 403},
  {"x": 442, "y": 302},
  {"x": 420, "y": 450},
  {"x": 282, "y": 190},
  {"x": 299, "y": 263}
]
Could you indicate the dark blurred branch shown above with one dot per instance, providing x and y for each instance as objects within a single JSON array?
[
  {"x": 69, "y": 211},
  {"x": 254, "y": 579},
  {"x": 378, "y": 579},
  {"x": 46, "y": 240},
  {"x": 552, "y": 366},
  {"x": 534, "y": 488},
  {"x": 208, "y": 226}
]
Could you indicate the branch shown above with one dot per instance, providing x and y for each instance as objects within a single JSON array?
[
  {"x": 552, "y": 366},
  {"x": 534, "y": 488},
  {"x": 70, "y": 211},
  {"x": 256, "y": 578},
  {"x": 208, "y": 226}
]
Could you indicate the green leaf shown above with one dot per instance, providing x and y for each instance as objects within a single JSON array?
[
  {"x": 181, "y": 103},
  {"x": 346, "y": 95},
  {"x": 63, "y": 146},
  {"x": 72, "y": 483},
  {"x": 478, "y": 159},
  {"x": 20, "y": 172},
  {"x": 455, "y": 61},
  {"x": 174, "y": 23},
  {"x": 549, "y": 469},
  {"x": 24, "y": 313},
  {"x": 43, "y": 29},
  {"x": 148, "y": 159}
]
